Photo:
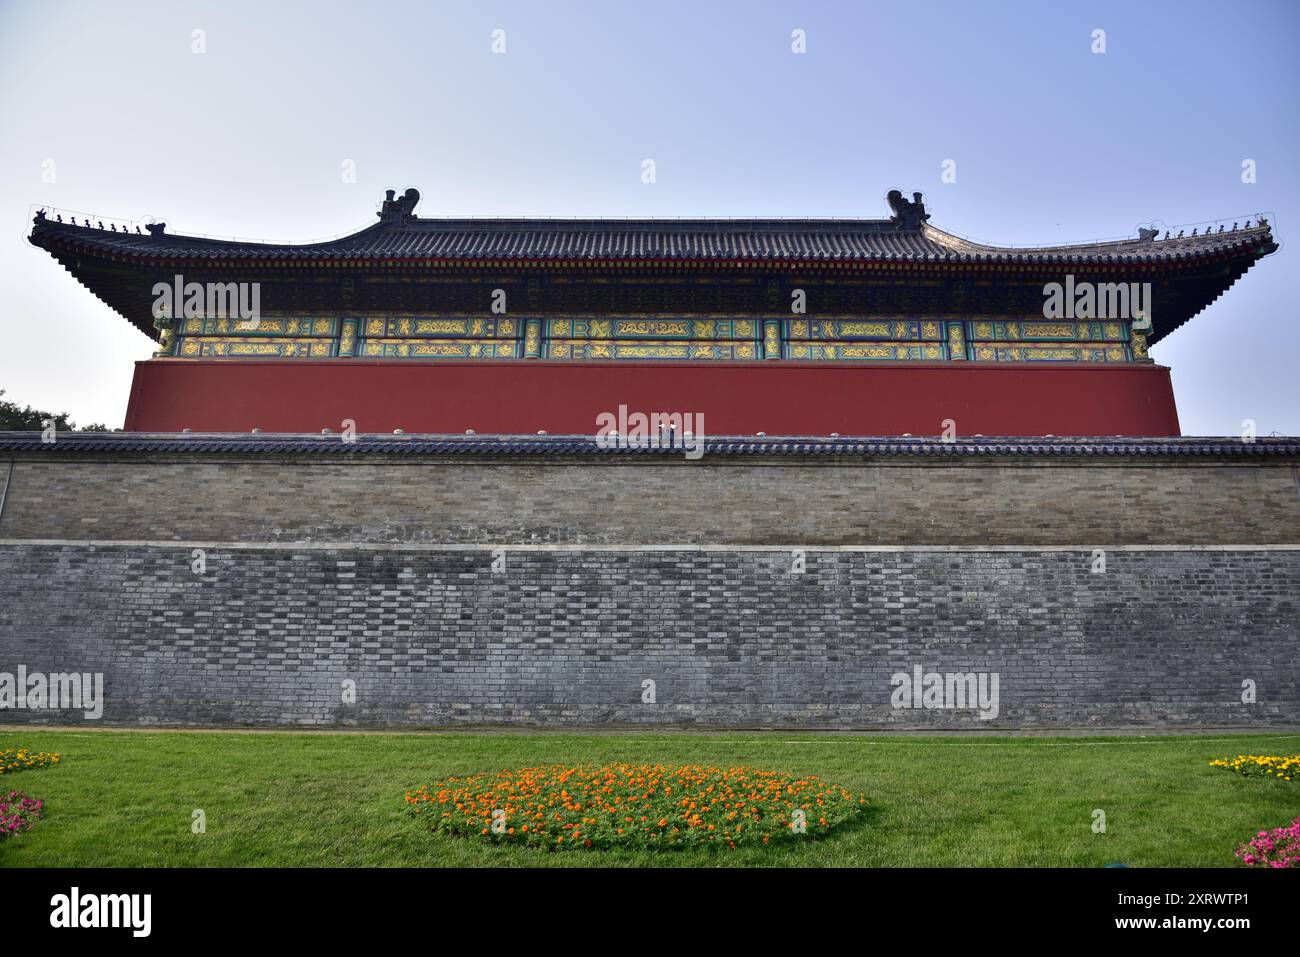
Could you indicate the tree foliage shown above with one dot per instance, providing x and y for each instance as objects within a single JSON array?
[{"x": 15, "y": 418}]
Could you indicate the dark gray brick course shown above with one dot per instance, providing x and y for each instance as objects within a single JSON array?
[{"x": 268, "y": 636}]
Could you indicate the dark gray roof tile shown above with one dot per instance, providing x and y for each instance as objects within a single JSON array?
[
  {"x": 783, "y": 240},
  {"x": 79, "y": 444}
]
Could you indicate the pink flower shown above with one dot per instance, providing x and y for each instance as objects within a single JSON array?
[{"x": 1277, "y": 848}]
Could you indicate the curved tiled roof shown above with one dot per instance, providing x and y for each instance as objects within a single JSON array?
[
  {"x": 120, "y": 266},
  {"x": 649, "y": 241},
  {"x": 99, "y": 443}
]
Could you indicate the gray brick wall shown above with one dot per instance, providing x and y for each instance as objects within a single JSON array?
[
  {"x": 321, "y": 571},
  {"x": 1163, "y": 638},
  {"x": 278, "y": 498}
]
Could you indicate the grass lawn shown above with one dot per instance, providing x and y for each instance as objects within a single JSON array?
[{"x": 290, "y": 799}]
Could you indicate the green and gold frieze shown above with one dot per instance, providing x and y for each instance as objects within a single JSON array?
[
  {"x": 1020, "y": 352},
  {"x": 999, "y": 330},
  {"x": 527, "y": 336},
  {"x": 852, "y": 330},
  {"x": 588, "y": 349},
  {"x": 348, "y": 338},
  {"x": 442, "y": 349},
  {"x": 1138, "y": 344},
  {"x": 300, "y": 327},
  {"x": 240, "y": 348},
  {"x": 1034, "y": 340},
  {"x": 614, "y": 329},
  {"x": 868, "y": 352},
  {"x": 957, "y": 341},
  {"x": 419, "y": 327}
]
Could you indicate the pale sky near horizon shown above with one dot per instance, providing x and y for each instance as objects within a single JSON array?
[{"x": 1052, "y": 142}]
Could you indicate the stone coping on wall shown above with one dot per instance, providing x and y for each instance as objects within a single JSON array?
[{"x": 77, "y": 444}]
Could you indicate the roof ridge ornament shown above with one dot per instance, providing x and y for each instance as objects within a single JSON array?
[
  {"x": 907, "y": 215},
  {"x": 398, "y": 211}
]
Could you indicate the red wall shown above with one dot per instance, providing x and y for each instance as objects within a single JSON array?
[{"x": 777, "y": 397}]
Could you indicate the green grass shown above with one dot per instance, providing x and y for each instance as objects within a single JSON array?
[{"x": 289, "y": 799}]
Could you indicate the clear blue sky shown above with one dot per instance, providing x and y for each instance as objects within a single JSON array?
[{"x": 1052, "y": 142}]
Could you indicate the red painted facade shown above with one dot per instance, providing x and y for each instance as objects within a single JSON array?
[{"x": 779, "y": 398}]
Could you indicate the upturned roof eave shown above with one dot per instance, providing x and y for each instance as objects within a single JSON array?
[{"x": 1026, "y": 260}]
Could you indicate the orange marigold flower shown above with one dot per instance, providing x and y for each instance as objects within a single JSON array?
[{"x": 590, "y": 804}]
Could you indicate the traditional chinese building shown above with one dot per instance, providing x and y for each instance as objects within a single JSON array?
[
  {"x": 794, "y": 327},
  {"x": 1110, "y": 574}
]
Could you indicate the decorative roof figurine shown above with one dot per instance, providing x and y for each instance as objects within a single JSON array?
[{"x": 907, "y": 215}]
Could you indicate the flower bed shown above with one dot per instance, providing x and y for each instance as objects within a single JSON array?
[
  {"x": 624, "y": 805},
  {"x": 18, "y": 812},
  {"x": 13, "y": 760},
  {"x": 1279, "y": 847},
  {"x": 1283, "y": 767}
]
